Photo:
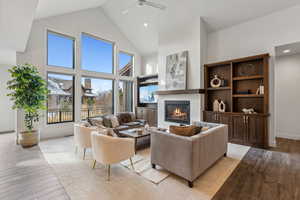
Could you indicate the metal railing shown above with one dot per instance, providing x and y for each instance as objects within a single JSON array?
[{"x": 59, "y": 116}]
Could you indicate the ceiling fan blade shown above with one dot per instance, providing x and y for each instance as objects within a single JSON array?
[{"x": 155, "y": 5}]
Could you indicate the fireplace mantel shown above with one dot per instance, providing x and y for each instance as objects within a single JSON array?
[{"x": 170, "y": 92}]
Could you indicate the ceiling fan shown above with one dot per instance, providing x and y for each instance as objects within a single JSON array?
[{"x": 146, "y": 3}]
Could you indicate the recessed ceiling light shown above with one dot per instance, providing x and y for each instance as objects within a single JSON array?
[
  {"x": 146, "y": 25},
  {"x": 125, "y": 12},
  {"x": 287, "y": 51}
]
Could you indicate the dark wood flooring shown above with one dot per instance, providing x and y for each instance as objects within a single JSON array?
[
  {"x": 272, "y": 174},
  {"x": 25, "y": 174}
]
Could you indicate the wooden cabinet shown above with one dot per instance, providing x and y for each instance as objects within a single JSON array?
[
  {"x": 243, "y": 129},
  {"x": 245, "y": 85},
  {"x": 239, "y": 129},
  {"x": 148, "y": 114}
]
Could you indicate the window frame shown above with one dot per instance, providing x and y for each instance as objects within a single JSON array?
[
  {"x": 73, "y": 51},
  {"x": 101, "y": 39},
  {"x": 73, "y": 97},
  {"x": 133, "y": 63}
]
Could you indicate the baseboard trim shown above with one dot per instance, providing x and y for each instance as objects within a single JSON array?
[
  {"x": 291, "y": 136},
  {"x": 6, "y": 132}
]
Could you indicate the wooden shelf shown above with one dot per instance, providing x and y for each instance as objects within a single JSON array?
[
  {"x": 170, "y": 92},
  {"x": 247, "y": 77},
  {"x": 248, "y": 95},
  {"x": 219, "y": 88}
]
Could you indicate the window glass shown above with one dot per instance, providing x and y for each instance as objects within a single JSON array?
[
  {"x": 60, "y": 50},
  {"x": 97, "y": 97},
  {"x": 125, "y": 96},
  {"x": 125, "y": 64},
  {"x": 96, "y": 54},
  {"x": 60, "y": 105}
]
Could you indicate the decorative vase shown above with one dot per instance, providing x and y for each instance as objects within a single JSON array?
[
  {"x": 29, "y": 138},
  {"x": 216, "y": 105},
  {"x": 222, "y": 107},
  {"x": 216, "y": 82}
]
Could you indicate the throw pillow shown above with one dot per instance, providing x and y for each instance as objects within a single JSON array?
[
  {"x": 98, "y": 121},
  {"x": 114, "y": 121},
  {"x": 85, "y": 124},
  {"x": 107, "y": 122},
  {"x": 185, "y": 130}
]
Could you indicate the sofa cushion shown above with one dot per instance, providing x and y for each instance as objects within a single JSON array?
[
  {"x": 114, "y": 121},
  {"x": 185, "y": 130},
  {"x": 124, "y": 117},
  {"x": 97, "y": 121}
]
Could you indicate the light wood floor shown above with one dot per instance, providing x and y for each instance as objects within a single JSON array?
[
  {"x": 25, "y": 174},
  {"x": 266, "y": 175}
]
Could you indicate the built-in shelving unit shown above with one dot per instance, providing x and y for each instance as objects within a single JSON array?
[{"x": 243, "y": 77}]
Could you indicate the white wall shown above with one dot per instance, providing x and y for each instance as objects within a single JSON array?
[
  {"x": 7, "y": 122},
  {"x": 190, "y": 37},
  {"x": 149, "y": 64},
  {"x": 255, "y": 37},
  {"x": 287, "y": 76},
  {"x": 92, "y": 21}
]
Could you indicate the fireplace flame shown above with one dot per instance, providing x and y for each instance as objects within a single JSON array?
[{"x": 178, "y": 113}]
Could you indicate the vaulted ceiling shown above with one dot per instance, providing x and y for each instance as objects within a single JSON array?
[{"x": 16, "y": 16}]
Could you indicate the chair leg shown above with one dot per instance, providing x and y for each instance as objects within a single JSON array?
[
  {"x": 131, "y": 163},
  {"x": 84, "y": 149},
  {"x": 94, "y": 164},
  {"x": 191, "y": 184},
  {"x": 225, "y": 154},
  {"x": 108, "y": 173}
]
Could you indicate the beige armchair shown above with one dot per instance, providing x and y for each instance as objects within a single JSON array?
[
  {"x": 108, "y": 150},
  {"x": 82, "y": 137}
]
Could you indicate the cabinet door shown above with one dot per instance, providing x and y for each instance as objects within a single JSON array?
[
  {"x": 256, "y": 130},
  {"x": 226, "y": 119},
  {"x": 152, "y": 117},
  {"x": 139, "y": 113},
  {"x": 210, "y": 117},
  {"x": 238, "y": 129}
]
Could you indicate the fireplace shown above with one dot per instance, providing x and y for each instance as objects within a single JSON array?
[{"x": 177, "y": 111}]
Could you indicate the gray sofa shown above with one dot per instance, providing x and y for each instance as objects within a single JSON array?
[{"x": 188, "y": 157}]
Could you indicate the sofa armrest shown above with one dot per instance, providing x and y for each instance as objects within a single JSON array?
[
  {"x": 172, "y": 152},
  {"x": 142, "y": 121}
]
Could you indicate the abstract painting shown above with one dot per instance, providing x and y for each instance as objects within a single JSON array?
[{"x": 176, "y": 71}]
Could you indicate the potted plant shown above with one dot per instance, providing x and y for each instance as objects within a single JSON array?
[{"x": 29, "y": 93}]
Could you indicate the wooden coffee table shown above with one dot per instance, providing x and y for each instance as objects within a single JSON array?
[{"x": 133, "y": 133}]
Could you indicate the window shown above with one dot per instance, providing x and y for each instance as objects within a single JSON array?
[
  {"x": 97, "y": 97},
  {"x": 60, "y": 106},
  {"x": 60, "y": 50},
  {"x": 125, "y": 96},
  {"x": 125, "y": 64},
  {"x": 96, "y": 54}
]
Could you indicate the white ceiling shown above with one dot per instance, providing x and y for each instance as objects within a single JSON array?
[
  {"x": 294, "y": 48},
  {"x": 15, "y": 22},
  {"x": 47, "y": 8},
  {"x": 217, "y": 14}
]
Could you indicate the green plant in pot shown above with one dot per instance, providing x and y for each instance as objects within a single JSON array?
[{"x": 29, "y": 93}]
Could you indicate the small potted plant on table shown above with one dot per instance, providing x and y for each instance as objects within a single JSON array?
[{"x": 29, "y": 93}]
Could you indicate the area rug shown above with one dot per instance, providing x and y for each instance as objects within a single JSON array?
[
  {"x": 82, "y": 182},
  {"x": 142, "y": 166}
]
